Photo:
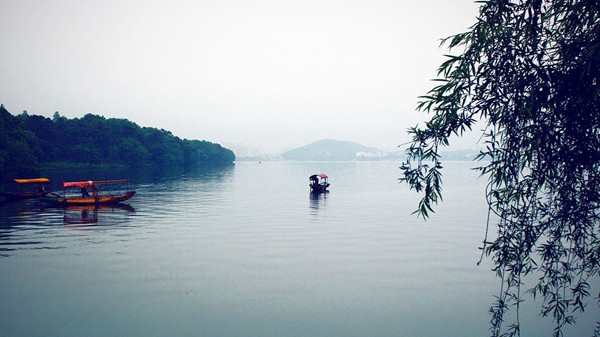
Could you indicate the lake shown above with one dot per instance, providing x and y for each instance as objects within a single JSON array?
[{"x": 248, "y": 251}]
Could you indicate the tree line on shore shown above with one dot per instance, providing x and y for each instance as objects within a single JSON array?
[{"x": 30, "y": 142}]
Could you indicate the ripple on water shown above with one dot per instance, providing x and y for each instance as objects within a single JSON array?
[{"x": 252, "y": 246}]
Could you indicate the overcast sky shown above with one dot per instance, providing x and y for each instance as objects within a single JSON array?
[{"x": 269, "y": 74}]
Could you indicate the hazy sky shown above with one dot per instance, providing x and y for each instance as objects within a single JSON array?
[{"x": 269, "y": 74}]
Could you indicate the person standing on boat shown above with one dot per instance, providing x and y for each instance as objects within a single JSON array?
[
  {"x": 84, "y": 192},
  {"x": 314, "y": 181}
]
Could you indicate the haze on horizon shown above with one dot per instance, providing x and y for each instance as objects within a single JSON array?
[{"x": 268, "y": 75}]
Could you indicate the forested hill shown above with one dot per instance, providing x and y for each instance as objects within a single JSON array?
[{"x": 29, "y": 142}]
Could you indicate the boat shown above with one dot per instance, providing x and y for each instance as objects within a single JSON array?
[
  {"x": 85, "y": 198},
  {"x": 21, "y": 190},
  {"x": 318, "y": 183}
]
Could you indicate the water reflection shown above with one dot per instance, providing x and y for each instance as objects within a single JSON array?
[
  {"x": 31, "y": 225},
  {"x": 317, "y": 200},
  {"x": 142, "y": 175},
  {"x": 213, "y": 246},
  {"x": 88, "y": 214},
  {"x": 18, "y": 211}
]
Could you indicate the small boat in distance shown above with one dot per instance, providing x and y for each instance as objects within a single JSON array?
[
  {"x": 318, "y": 183},
  {"x": 85, "y": 198},
  {"x": 20, "y": 192}
]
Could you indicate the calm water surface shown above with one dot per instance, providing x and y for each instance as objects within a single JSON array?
[{"x": 247, "y": 251}]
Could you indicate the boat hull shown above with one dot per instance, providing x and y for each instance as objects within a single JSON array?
[
  {"x": 24, "y": 195},
  {"x": 100, "y": 200},
  {"x": 318, "y": 188}
]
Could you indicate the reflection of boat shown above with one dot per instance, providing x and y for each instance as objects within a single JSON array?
[
  {"x": 317, "y": 200},
  {"x": 318, "y": 183},
  {"x": 43, "y": 188},
  {"x": 86, "y": 198},
  {"x": 87, "y": 214},
  {"x": 101, "y": 208},
  {"x": 79, "y": 215}
]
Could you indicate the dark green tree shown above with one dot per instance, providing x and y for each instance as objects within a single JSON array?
[
  {"x": 19, "y": 148},
  {"x": 46, "y": 132},
  {"x": 29, "y": 142},
  {"x": 132, "y": 152},
  {"x": 529, "y": 70}
]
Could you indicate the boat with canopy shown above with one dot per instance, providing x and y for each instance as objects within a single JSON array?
[
  {"x": 22, "y": 188},
  {"x": 84, "y": 197},
  {"x": 318, "y": 183}
]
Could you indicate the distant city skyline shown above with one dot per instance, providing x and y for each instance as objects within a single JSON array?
[{"x": 266, "y": 75}]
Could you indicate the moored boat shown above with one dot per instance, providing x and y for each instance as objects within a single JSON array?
[
  {"x": 86, "y": 198},
  {"x": 17, "y": 188},
  {"x": 318, "y": 183}
]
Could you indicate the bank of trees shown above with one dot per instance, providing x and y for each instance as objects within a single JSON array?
[
  {"x": 530, "y": 70},
  {"x": 28, "y": 142}
]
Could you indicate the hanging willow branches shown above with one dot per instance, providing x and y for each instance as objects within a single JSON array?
[{"x": 530, "y": 70}]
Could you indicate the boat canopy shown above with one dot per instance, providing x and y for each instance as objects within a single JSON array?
[
  {"x": 323, "y": 175},
  {"x": 30, "y": 181},
  {"x": 80, "y": 184},
  {"x": 92, "y": 183}
]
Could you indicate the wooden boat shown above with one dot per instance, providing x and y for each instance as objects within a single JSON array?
[
  {"x": 44, "y": 187},
  {"x": 318, "y": 183},
  {"x": 85, "y": 198}
]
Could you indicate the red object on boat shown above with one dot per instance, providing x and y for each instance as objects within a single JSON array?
[{"x": 80, "y": 184}]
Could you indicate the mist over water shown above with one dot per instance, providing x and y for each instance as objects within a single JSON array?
[{"x": 247, "y": 251}]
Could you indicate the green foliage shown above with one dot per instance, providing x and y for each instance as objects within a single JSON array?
[
  {"x": 531, "y": 71},
  {"x": 28, "y": 141},
  {"x": 131, "y": 151},
  {"x": 18, "y": 147}
]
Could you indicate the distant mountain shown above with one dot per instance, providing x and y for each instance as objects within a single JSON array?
[
  {"x": 459, "y": 155},
  {"x": 333, "y": 150}
]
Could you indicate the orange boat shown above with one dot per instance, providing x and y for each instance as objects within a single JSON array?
[
  {"x": 86, "y": 198},
  {"x": 43, "y": 188}
]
